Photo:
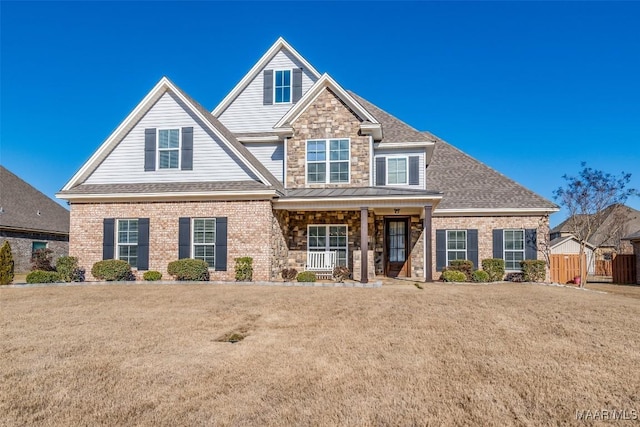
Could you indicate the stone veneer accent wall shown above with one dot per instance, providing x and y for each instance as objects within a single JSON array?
[
  {"x": 248, "y": 232},
  {"x": 328, "y": 117},
  {"x": 485, "y": 226},
  {"x": 416, "y": 241}
]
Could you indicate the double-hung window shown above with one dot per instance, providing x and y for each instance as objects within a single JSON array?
[
  {"x": 329, "y": 238},
  {"x": 204, "y": 240},
  {"x": 331, "y": 155},
  {"x": 168, "y": 148},
  {"x": 282, "y": 86},
  {"x": 513, "y": 249},
  {"x": 127, "y": 242},
  {"x": 456, "y": 245},
  {"x": 397, "y": 171}
]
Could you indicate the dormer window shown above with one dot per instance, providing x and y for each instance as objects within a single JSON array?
[{"x": 282, "y": 87}]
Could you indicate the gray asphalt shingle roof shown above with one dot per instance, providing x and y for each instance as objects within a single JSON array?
[
  {"x": 26, "y": 208},
  {"x": 356, "y": 192},
  {"x": 614, "y": 219}
]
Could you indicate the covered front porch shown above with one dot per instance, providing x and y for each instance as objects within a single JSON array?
[{"x": 394, "y": 225}]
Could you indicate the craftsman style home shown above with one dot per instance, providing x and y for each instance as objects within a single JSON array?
[{"x": 288, "y": 165}]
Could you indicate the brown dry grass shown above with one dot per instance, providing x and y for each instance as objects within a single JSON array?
[{"x": 504, "y": 354}]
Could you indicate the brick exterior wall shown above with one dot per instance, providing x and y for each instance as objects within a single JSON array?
[
  {"x": 22, "y": 245},
  {"x": 485, "y": 226},
  {"x": 248, "y": 232},
  {"x": 329, "y": 117}
]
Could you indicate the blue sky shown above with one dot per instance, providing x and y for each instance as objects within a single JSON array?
[{"x": 529, "y": 88}]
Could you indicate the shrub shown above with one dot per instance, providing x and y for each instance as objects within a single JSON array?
[
  {"x": 152, "y": 275},
  {"x": 463, "y": 265},
  {"x": 6, "y": 264},
  {"x": 515, "y": 277},
  {"x": 244, "y": 269},
  {"x": 41, "y": 260},
  {"x": 289, "y": 274},
  {"x": 340, "y": 273},
  {"x": 480, "y": 276},
  {"x": 189, "y": 269},
  {"x": 534, "y": 270},
  {"x": 112, "y": 269},
  {"x": 494, "y": 268},
  {"x": 306, "y": 276},
  {"x": 41, "y": 276},
  {"x": 453, "y": 276},
  {"x": 67, "y": 267}
]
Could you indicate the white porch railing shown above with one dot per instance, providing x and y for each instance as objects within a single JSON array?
[{"x": 321, "y": 263}]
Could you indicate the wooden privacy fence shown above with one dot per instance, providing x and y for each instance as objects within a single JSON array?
[
  {"x": 624, "y": 269},
  {"x": 603, "y": 268},
  {"x": 564, "y": 267}
]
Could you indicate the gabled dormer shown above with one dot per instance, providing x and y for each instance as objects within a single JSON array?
[{"x": 273, "y": 85}]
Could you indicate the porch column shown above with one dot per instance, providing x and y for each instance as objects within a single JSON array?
[
  {"x": 364, "y": 244},
  {"x": 428, "y": 250}
]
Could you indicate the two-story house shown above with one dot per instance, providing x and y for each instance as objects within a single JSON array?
[{"x": 289, "y": 163}]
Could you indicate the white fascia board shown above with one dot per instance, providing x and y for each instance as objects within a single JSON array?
[
  {"x": 173, "y": 196},
  {"x": 265, "y": 139},
  {"x": 253, "y": 72},
  {"x": 491, "y": 212},
  {"x": 87, "y": 167},
  {"x": 383, "y": 145},
  {"x": 324, "y": 82}
]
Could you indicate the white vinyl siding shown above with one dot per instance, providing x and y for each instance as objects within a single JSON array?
[
  {"x": 398, "y": 153},
  {"x": 247, "y": 112},
  {"x": 212, "y": 161},
  {"x": 269, "y": 154}
]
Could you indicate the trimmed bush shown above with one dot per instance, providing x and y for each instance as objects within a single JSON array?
[
  {"x": 495, "y": 268},
  {"x": 244, "y": 269},
  {"x": 515, "y": 277},
  {"x": 40, "y": 276},
  {"x": 533, "y": 270},
  {"x": 306, "y": 276},
  {"x": 189, "y": 269},
  {"x": 463, "y": 265},
  {"x": 289, "y": 274},
  {"x": 152, "y": 276},
  {"x": 6, "y": 264},
  {"x": 480, "y": 276},
  {"x": 340, "y": 273},
  {"x": 111, "y": 270},
  {"x": 453, "y": 276},
  {"x": 41, "y": 260},
  {"x": 67, "y": 267}
]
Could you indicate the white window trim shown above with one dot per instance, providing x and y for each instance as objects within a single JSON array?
[
  {"x": 504, "y": 247},
  {"x": 117, "y": 239},
  {"x": 327, "y": 178},
  {"x": 446, "y": 242},
  {"x": 193, "y": 243},
  {"x": 386, "y": 175},
  {"x": 327, "y": 247},
  {"x": 158, "y": 149},
  {"x": 290, "y": 70}
]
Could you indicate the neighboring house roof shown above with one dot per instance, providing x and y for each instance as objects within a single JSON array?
[
  {"x": 142, "y": 108},
  {"x": 280, "y": 44},
  {"x": 471, "y": 186},
  {"x": 633, "y": 236},
  {"x": 560, "y": 240},
  {"x": 610, "y": 219},
  {"x": 24, "y": 208}
]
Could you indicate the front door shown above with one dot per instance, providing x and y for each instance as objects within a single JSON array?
[{"x": 397, "y": 247}]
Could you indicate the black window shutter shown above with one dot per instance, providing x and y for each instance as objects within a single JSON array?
[
  {"x": 221, "y": 244},
  {"x": 187, "y": 149},
  {"x": 108, "y": 234},
  {"x": 381, "y": 170},
  {"x": 143, "y": 243},
  {"x": 149, "y": 149},
  {"x": 441, "y": 249},
  {"x": 498, "y": 237},
  {"x": 530, "y": 244},
  {"x": 297, "y": 84},
  {"x": 414, "y": 170},
  {"x": 184, "y": 238},
  {"x": 472, "y": 247},
  {"x": 267, "y": 95}
]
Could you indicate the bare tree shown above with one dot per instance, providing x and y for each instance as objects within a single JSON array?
[{"x": 587, "y": 197}]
